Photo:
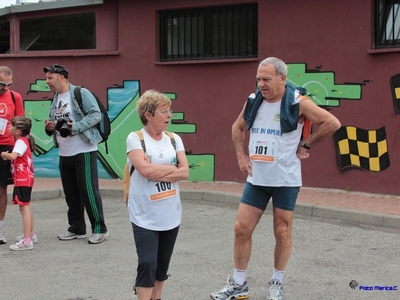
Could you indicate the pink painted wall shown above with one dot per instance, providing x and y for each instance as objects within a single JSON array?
[{"x": 335, "y": 35}]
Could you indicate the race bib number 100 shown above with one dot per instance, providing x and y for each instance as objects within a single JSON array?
[{"x": 162, "y": 191}]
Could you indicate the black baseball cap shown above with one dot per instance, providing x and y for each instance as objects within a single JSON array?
[{"x": 57, "y": 69}]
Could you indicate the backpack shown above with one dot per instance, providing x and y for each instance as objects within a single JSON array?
[
  {"x": 12, "y": 97},
  {"x": 104, "y": 126},
  {"x": 126, "y": 181}
]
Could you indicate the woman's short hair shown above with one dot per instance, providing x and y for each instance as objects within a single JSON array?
[{"x": 149, "y": 101}]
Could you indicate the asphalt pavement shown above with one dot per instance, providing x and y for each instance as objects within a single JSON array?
[{"x": 327, "y": 255}]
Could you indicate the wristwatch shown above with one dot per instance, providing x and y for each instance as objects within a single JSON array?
[{"x": 304, "y": 145}]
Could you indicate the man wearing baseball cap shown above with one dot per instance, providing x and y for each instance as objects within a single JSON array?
[
  {"x": 74, "y": 133},
  {"x": 57, "y": 69}
]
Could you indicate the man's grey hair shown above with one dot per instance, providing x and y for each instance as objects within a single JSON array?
[
  {"x": 280, "y": 66},
  {"x": 5, "y": 70}
]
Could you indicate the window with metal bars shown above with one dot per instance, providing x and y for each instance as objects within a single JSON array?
[
  {"x": 209, "y": 33},
  {"x": 387, "y": 23}
]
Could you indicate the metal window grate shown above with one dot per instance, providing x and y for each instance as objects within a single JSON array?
[
  {"x": 209, "y": 33},
  {"x": 387, "y": 23}
]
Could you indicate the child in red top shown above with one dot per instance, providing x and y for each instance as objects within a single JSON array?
[{"x": 23, "y": 175}]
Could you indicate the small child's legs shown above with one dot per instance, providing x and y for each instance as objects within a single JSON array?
[
  {"x": 27, "y": 220},
  {"x": 22, "y": 196}
]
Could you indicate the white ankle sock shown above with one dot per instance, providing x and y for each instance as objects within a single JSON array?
[
  {"x": 277, "y": 275},
  {"x": 239, "y": 276}
]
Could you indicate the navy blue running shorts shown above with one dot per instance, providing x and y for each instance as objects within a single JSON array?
[{"x": 283, "y": 197}]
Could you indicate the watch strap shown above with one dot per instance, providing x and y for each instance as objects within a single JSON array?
[{"x": 304, "y": 145}]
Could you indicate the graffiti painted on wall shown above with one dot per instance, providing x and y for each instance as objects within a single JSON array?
[
  {"x": 395, "y": 84},
  {"x": 366, "y": 149},
  {"x": 321, "y": 86},
  {"x": 121, "y": 100},
  {"x": 121, "y": 103},
  {"x": 359, "y": 148}
]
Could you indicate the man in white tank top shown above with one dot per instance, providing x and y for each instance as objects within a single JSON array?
[{"x": 273, "y": 169}]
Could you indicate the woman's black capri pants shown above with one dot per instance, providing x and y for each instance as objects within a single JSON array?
[{"x": 154, "y": 250}]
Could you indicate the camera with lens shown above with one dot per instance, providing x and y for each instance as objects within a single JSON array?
[{"x": 63, "y": 127}]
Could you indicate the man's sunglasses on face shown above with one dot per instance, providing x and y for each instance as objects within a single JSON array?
[{"x": 3, "y": 84}]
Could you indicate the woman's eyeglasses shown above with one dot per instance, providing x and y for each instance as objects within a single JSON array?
[{"x": 165, "y": 111}]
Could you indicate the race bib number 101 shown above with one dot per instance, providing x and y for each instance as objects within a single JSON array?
[{"x": 262, "y": 151}]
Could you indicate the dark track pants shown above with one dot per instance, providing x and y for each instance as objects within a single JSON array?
[{"x": 79, "y": 177}]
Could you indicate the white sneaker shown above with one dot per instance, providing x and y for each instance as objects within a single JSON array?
[
  {"x": 21, "y": 246},
  {"x": 231, "y": 291},
  {"x": 66, "y": 236},
  {"x": 97, "y": 238},
  {"x": 3, "y": 239},
  {"x": 33, "y": 238},
  {"x": 275, "y": 290}
]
